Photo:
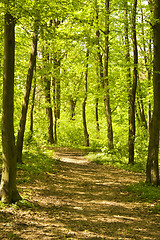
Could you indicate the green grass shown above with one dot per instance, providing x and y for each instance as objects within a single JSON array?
[
  {"x": 118, "y": 158},
  {"x": 145, "y": 192},
  {"x": 36, "y": 162}
]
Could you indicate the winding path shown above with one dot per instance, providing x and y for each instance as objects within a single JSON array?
[{"x": 83, "y": 200}]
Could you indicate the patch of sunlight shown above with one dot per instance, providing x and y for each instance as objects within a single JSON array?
[
  {"x": 74, "y": 160},
  {"x": 115, "y": 204},
  {"x": 128, "y": 218}
]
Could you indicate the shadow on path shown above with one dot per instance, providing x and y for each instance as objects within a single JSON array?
[{"x": 83, "y": 200}]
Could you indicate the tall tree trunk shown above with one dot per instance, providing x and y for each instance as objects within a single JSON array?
[
  {"x": 134, "y": 87},
  {"x": 152, "y": 170},
  {"x": 106, "y": 80},
  {"x": 86, "y": 135},
  {"x": 56, "y": 94},
  {"x": 57, "y": 87},
  {"x": 99, "y": 67},
  {"x": 32, "y": 108},
  {"x": 47, "y": 90},
  {"x": 49, "y": 110},
  {"x": 149, "y": 85},
  {"x": 8, "y": 190},
  {"x": 141, "y": 108},
  {"x": 127, "y": 54},
  {"x": 96, "y": 117},
  {"x": 21, "y": 128},
  {"x": 147, "y": 61},
  {"x": 72, "y": 107}
]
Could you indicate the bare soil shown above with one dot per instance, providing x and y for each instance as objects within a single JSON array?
[{"x": 81, "y": 200}]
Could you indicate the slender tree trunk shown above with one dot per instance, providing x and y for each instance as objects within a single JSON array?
[
  {"x": 32, "y": 108},
  {"x": 127, "y": 54},
  {"x": 147, "y": 60},
  {"x": 72, "y": 107},
  {"x": 56, "y": 94},
  {"x": 152, "y": 170},
  {"x": 21, "y": 128},
  {"x": 106, "y": 80},
  {"x": 47, "y": 90},
  {"x": 47, "y": 83},
  {"x": 141, "y": 108},
  {"x": 57, "y": 87},
  {"x": 8, "y": 190},
  {"x": 96, "y": 117},
  {"x": 86, "y": 135},
  {"x": 149, "y": 85},
  {"x": 99, "y": 68},
  {"x": 134, "y": 87}
]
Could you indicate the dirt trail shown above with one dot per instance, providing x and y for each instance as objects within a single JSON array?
[{"x": 83, "y": 200}]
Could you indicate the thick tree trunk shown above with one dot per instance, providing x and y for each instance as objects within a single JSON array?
[
  {"x": 21, "y": 128},
  {"x": 106, "y": 80},
  {"x": 86, "y": 135},
  {"x": 152, "y": 170},
  {"x": 134, "y": 88},
  {"x": 8, "y": 190}
]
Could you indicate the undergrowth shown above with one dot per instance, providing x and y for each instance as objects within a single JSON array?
[{"x": 36, "y": 163}]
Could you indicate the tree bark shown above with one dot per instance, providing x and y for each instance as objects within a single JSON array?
[
  {"x": 56, "y": 94},
  {"x": 47, "y": 90},
  {"x": 106, "y": 79},
  {"x": 49, "y": 110},
  {"x": 147, "y": 59},
  {"x": 72, "y": 107},
  {"x": 8, "y": 190},
  {"x": 86, "y": 135},
  {"x": 152, "y": 169},
  {"x": 57, "y": 86},
  {"x": 32, "y": 108},
  {"x": 96, "y": 117},
  {"x": 21, "y": 128},
  {"x": 134, "y": 88},
  {"x": 140, "y": 104},
  {"x": 100, "y": 81}
]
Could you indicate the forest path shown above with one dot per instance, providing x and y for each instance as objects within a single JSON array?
[{"x": 83, "y": 200}]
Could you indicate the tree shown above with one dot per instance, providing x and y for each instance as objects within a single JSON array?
[
  {"x": 86, "y": 135},
  {"x": 8, "y": 190},
  {"x": 152, "y": 169},
  {"x": 22, "y": 123},
  {"x": 106, "y": 78},
  {"x": 47, "y": 86},
  {"x": 134, "y": 87},
  {"x": 32, "y": 107}
]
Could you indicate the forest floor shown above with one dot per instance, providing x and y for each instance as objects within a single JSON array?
[{"x": 80, "y": 200}]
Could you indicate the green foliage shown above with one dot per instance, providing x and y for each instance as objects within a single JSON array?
[
  {"x": 70, "y": 133},
  {"x": 36, "y": 163},
  {"x": 145, "y": 192},
  {"x": 118, "y": 157},
  {"x": 23, "y": 204}
]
